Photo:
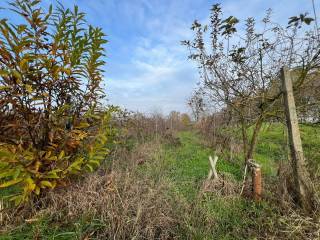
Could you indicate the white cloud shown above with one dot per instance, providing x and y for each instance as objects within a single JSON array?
[
  {"x": 148, "y": 67},
  {"x": 159, "y": 78}
]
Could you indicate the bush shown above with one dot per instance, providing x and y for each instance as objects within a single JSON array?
[{"x": 51, "y": 123}]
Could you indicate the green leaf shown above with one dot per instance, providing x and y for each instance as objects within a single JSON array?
[
  {"x": 24, "y": 64},
  {"x": 10, "y": 183},
  {"x": 5, "y": 87},
  {"x": 17, "y": 75},
  {"x": 5, "y": 154},
  {"x": 95, "y": 162},
  {"x": 16, "y": 173},
  {"x": 8, "y": 173},
  {"x": 17, "y": 199},
  {"x": 21, "y": 28},
  {"x": 89, "y": 167},
  {"x": 29, "y": 88},
  {"x": 308, "y": 20},
  {"x": 3, "y": 73},
  {"x": 83, "y": 125},
  {"x": 30, "y": 185},
  {"x": 37, "y": 190},
  {"x": 61, "y": 155},
  {"x": 44, "y": 184},
  {"x": 53, "y": 174}
]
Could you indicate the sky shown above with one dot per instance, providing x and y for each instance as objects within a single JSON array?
[{"x": 147, "y": 68}]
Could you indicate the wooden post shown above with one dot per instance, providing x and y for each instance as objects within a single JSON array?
[
  {"x": 303, "y": 185},
  {"x": 256, "y": 180},
  {"x": 213, "y": 171},
  {"x": 256, "y": 183}
]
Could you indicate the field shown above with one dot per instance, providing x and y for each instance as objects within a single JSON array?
[
  {"x": 135, "y": 120},
  {"x": 158, "y": 189}
]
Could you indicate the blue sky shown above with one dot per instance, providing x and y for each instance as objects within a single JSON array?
[{"x": 147, "y": 68}]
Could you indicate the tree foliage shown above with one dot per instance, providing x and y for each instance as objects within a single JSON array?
[{"x": 50, "y": 93}]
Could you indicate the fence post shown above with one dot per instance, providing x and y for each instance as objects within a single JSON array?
[{"x": 302, "y": 182}]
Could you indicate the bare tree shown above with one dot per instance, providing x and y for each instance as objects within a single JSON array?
[{"x": 240, "y": 70}]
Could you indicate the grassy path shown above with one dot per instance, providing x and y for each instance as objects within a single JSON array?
[
  {"x": 188, "y": 164},
  {"x": 212, "y": 216}
]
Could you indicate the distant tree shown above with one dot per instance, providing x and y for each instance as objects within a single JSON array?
[
  {"x": 197, "y": 104},
  {"x": 185, "y": 120},
  {"x": 173, "y": 120}
]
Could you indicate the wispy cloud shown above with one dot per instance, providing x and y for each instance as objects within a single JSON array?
[{"x": 156, "y": 72}]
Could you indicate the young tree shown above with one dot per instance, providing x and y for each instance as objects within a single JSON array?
[
  {"x": 240, "y": 71},
  {"x": 50, "y": 90}
]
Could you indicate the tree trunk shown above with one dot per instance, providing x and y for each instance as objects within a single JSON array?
[
  {"x": 303, "y": 185},
  {"x": 254, "y": 138},
  {"x": 244, "y": 139}
]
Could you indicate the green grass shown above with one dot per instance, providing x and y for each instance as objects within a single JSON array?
[
  {"x": 212, "y": 216},
  {"x": 188, "y": 164},
  {"x": 45, "y": 229},
  {"x": 272, "y": 147}
]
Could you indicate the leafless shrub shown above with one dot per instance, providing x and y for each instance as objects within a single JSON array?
[
  {"x": 240, "y": 72},
  {"x": 171, "y": 139},
  {"x": 144, "y": 152}
]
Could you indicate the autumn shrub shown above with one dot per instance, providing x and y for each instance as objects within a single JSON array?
[{"x": 52, "y": 124}]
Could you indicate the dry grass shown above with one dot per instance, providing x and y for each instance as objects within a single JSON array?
[
  {"x": 127, "y": 203},
  {"x": 296, "y": 226},
  {"x": 225, "y": 185},
  {"x": 128, "y": 207}
]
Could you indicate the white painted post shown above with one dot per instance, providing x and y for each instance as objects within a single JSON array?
[{"x": 213, "y": 171}]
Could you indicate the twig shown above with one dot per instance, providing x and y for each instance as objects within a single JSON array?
[{"x": 244, "y": 178}]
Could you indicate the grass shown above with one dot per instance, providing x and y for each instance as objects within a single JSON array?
[
  {"x": 46, "y": 230},
  {"x": 182, "y": 169},
  {"x": 214, "y": 216},
  {"x": 272, "y": 147},
  {"x": 188, "y": 164}
]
